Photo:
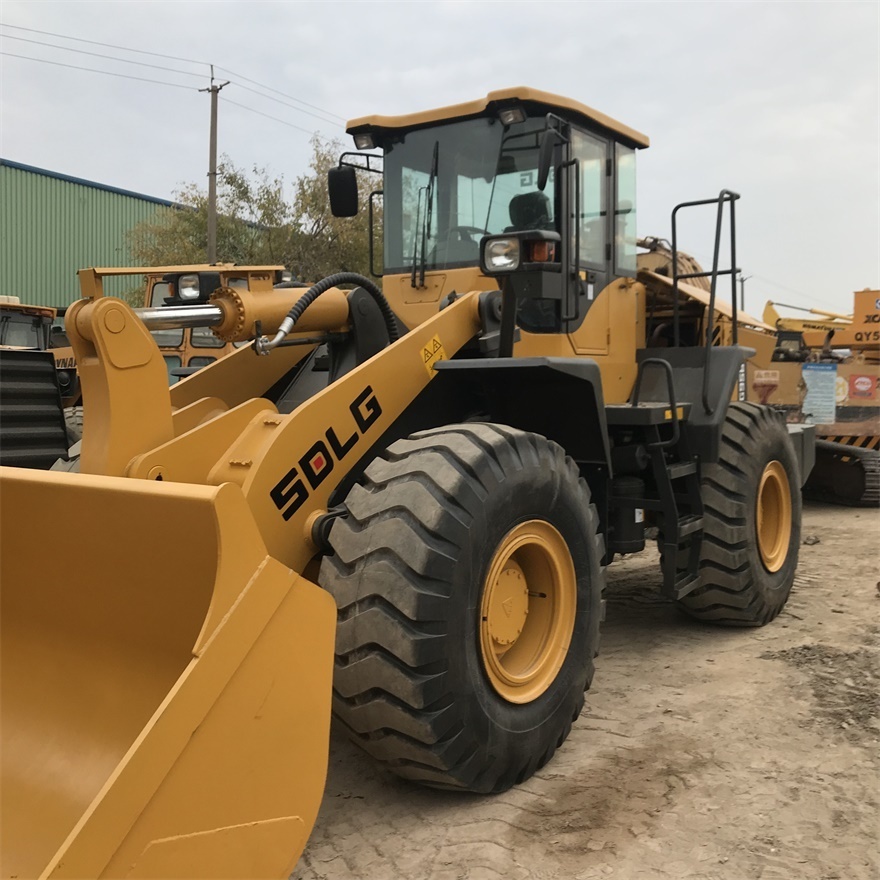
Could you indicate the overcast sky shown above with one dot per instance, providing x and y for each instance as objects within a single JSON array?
[{"x": 779, "y": 101}]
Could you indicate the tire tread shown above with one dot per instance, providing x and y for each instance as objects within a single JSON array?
[
  {"x": 734, "y": 591},
  {"x": 415, "y": 502}
]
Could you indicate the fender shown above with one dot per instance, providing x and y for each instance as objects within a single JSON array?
[{"x": 560, "y": 398}]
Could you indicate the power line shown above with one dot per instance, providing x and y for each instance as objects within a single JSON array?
[
  {"x": 160, "y": 83},
  {"x": 172, "y": 58},
  {"x": 163, "y": 82},
  {"x": 283, "y": 95},
  {"x": 105, "y": 45},
  {"x": 285, "y": 104},
  {"x": 105, "y": 72},
  {"x": 108, "y": 57},
  {"x": 275, "y": 118}
]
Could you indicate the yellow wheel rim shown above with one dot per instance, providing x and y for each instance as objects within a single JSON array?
[
  {"x": 528, "y": 610},
  {"x": 774, "y": 516}
]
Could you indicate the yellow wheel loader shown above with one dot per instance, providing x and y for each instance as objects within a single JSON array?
[{"x": 394, "y": 504}]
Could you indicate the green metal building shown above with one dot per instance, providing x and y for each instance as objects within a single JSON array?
[{"x": 51, "y": 225}]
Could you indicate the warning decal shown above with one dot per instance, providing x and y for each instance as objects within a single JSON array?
[
  {"x": 862, "y": 386},
  {"x": 432, "y": 352}
]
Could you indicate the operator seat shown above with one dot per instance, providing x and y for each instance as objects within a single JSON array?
[{"x": 530, "y": 211}]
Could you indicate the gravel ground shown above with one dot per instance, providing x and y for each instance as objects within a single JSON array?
[{"x": 701, "y": 752}]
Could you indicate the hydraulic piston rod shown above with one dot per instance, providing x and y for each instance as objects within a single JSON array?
[
  {"x": 233, "y": 314},
  {"x": 177, "y": 317}
]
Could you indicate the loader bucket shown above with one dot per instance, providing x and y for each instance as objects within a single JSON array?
[{"x": 165, "y": 684}]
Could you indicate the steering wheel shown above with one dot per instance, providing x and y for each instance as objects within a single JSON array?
[{"x": 468, "y": 231}]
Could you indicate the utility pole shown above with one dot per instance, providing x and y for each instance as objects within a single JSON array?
[
  {"x": 742, "y": 290},
  {"x": 214, "y": 90}
]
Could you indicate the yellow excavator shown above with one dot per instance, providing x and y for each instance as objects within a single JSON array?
[
  {"x": 820, "y": 320},
  {"x": 395, "y": 505}
]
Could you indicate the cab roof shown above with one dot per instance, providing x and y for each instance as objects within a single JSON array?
[
  {"x": 533, "y": 99},
  {"x": 14, "y": 304}
]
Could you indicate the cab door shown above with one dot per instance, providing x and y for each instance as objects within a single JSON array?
[{"x": 591, "y": 233}]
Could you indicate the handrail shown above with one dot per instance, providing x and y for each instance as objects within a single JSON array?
[
  {"x": 573, "y": 265},
  {"x": 724, "y": 197},
  {"x": 670, "y": 387}
]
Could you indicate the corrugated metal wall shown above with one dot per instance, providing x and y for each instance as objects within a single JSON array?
[{"x": 51, "y": 225}]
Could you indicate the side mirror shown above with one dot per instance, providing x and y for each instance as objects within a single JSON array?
[
  {"x": 549, "y": 139},
  {"x": 343, "y": 190}
]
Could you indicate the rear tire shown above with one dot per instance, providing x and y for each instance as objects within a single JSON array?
[
  {"x": 751, "y": 522},
  {"x": 450, "y": 541}
]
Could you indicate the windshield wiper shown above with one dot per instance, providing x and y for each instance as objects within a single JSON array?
[
  {"x": 415, "y": 256},
  {"x": 426, "y": 227}
]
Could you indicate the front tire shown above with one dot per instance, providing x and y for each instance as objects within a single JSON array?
[
  {"x": 73, "y": 424},
  {"x": 751, "y": 522},
  {"x": 468, "y": 579}
]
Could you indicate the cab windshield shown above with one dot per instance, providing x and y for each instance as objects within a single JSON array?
[
  {"x": 447, "y": 186},
  {"x": 23, "y": 331}
]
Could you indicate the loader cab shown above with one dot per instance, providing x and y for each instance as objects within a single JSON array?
[
  {"x": 790, "y": 346},
  {"x": 520, "y": 171},
  {"x": 23, "y": 326}
]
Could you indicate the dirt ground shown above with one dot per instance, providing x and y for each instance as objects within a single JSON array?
[{"x": 701, "y": 752}]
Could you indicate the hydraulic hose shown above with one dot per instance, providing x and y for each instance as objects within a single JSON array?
[{"x": 264, "y": 345}]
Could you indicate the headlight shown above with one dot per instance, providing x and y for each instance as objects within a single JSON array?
[
  {"x": 501, "y": 255},
  {"x": 511, "y": 115},
  {"x": 188, "y": 287}
]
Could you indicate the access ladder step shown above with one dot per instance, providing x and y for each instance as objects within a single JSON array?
[
  {"x": 685, "y": 584},
  {"x": 688, "y": 525},
  {"x": 681, "y": 469}
]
